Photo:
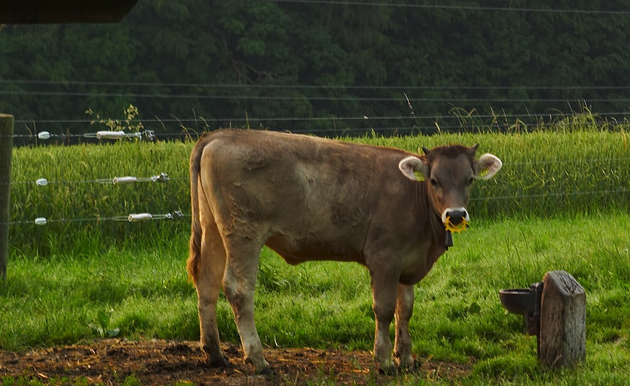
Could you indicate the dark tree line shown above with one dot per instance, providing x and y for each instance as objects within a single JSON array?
[{"x": 294, "y": 63}]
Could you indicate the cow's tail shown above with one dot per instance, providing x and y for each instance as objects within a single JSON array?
[{"x": 194, "y": 260}]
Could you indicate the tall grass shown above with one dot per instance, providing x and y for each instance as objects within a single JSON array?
[
  {"x": 578, "y": 168},
  {"x": 581, "y": 169},
  {"x": 73, "y": 202}
]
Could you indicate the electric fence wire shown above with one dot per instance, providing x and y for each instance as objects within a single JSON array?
[
  {"x": 139, "y": 217},
  {"x": 161, "y": 178},
  {"x": 498, "y": 120},
  {"x": 301, "y": 86},
  {"x": 164, "y": 178},
  {"x": 341, "y": 132},
  {"x": 471, "y": 122},
  {"x": 497, "y": 116},
  {"x": 133, "y": 217},
  {"x": 551, "y": 194},
  {"x": 302, "y": 97},
  {"x": 459, "y": 7}
]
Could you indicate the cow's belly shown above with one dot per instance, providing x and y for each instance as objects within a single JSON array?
[{"x": 298, "y": 250}]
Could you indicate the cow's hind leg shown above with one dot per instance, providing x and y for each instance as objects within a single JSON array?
[
  {"x": 404, "y": 310},
  {"x": 208, "y": 281},
  {"x": 238, "y": 285}
]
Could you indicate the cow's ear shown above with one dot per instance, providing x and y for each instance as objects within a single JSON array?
[
  {"x": 487, "y": 166},
  {"x": 414, "y": 168}
]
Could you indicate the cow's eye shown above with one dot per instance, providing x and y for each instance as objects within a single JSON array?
[
  {"x": 434, "y": 182},
  {"x": 471, "y": 181}
]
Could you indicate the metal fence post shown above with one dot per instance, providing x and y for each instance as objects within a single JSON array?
[{"x": 6, "y": 149}]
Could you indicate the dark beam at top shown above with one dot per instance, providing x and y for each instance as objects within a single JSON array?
[{"x": 63, "y": 11}]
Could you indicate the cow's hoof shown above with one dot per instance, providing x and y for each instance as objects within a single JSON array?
[
  {"x": 388, "y": 369},
  {"x": 411, "y": 367},
  {"x": 219, "y": 362},
  {"x": 406, "y": 365},
  {"x": 265, "y": 371},
  {"x": 263, "y": 367}
]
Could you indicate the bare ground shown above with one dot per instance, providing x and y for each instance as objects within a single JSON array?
[{"x": 160, "y": 362}]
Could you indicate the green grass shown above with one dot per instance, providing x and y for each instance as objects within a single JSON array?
[
  {"x": 457, "y": 315},
  {"x": 65, "y": 299}
]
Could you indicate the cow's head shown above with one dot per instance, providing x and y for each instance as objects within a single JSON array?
[{"x": 449, "y": 171}]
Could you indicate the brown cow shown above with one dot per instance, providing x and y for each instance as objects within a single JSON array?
[{"x": 309, "y": 198}]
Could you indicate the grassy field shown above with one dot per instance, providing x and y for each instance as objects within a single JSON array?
[
  {"x": 561, "y": 202},
  {"x": 143, "y": 294}
]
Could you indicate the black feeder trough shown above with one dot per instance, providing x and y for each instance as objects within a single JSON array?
[{"x": 525, "y": 302}]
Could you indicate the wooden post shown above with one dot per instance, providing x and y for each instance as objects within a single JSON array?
[
  {"x": 562, "y": 339},
  {"x": 6, "y": 148}
]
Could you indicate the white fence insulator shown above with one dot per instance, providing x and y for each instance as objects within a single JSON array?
[
  {"x": 148, "y": 216},
  {"x": 172, "y": 216},
  {"x": 162, "y": 177},
  {"x": 149, "y": 135},
  {"x": 41, "y": 221},
  {"x": 140, "y": 217},
  {"x": 43, "y": 135},
  {"x": 41, "y": 182},
  {"x": 124, "y": 180},
  {"x": 110, "y": 134}
]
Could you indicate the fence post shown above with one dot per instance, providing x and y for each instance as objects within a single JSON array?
[
  {"x": 562, "y": 338},
  {"x": 6, "y": 149}
]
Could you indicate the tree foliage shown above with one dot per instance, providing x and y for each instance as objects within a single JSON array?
[{"x": 284, "y": 65}]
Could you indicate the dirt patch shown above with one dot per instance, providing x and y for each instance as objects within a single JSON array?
[{"x": 160, "y": 362}]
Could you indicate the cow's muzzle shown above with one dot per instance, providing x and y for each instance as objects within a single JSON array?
[
  {"x": 455, "y": 219},
  {"x": 456, "y": 215}
]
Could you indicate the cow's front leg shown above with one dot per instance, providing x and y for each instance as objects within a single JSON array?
[
  {"x": 404, "y": 310},
  {"x": 384, "y": 297}
]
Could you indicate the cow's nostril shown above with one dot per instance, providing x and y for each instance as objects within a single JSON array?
[{"x": 456, "y": 215}]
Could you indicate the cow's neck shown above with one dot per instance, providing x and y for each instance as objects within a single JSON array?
[{"x": 433, "y": 223}]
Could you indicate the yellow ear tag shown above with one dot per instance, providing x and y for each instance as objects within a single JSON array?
[{"x": 455, "y": 228}]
